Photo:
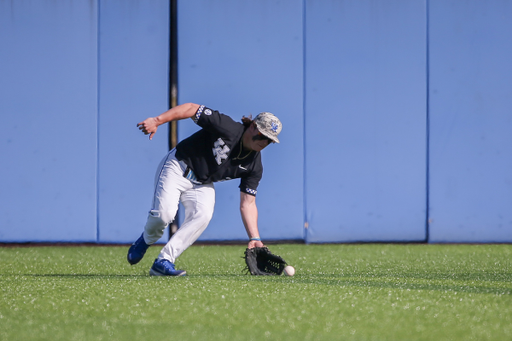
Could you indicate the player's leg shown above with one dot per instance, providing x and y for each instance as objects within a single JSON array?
[
  {"x": 169, "y": 183},
  {"x": 199, "y": 204}
]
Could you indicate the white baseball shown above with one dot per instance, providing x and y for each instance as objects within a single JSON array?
[{"x": 289, "y": 270}]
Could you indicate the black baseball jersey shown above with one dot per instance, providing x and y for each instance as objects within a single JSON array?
[{"x": 215, "y": 152}]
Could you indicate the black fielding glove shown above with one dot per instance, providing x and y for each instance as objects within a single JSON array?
[{"x": 260, "y": 261}]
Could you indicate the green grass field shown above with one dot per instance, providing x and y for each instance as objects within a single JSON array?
[{"x": 340, "y": 292}]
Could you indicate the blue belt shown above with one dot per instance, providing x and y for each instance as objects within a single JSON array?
[{"x": 189, "y": 174}]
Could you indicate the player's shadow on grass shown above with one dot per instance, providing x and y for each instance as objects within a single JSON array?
[
  {"x": 395, "y": 281},
  {"x": 86, "y": 275}
]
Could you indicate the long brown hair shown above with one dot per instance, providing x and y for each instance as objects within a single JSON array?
[{"x": 247, "y": 121}]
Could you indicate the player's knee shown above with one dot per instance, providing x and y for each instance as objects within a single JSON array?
[
  {"x": 159, "y": 218},
  {"x": 204, "y": 215}
]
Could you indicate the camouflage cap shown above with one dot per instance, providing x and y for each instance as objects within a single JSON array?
[{"x": 268, "y": 125}]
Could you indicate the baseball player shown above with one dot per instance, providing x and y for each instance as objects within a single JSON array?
[{"x": 222, "y": 150}]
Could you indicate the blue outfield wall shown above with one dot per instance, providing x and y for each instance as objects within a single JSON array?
[
  {"x": 134, "y": 81},
  {"x": 76, "y": 77},
  {"x": 242, "y": 58},
  {"x": 471, "y": 121},
  {"x": 365, "y": 121},
  {"x": 48, "y": 106},
  {"x": 396, "y": 115}
]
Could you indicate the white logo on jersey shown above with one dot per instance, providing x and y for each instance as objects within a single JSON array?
[
  {"x": 240, "y": 166},
  {"x": 220, "y": 151},
  {"x": 208, "y": 112}
]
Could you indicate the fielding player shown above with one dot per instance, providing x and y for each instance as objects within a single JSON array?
[{"x": 222, "y": 150}]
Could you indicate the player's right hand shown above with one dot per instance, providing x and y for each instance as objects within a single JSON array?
[{"x": 148, "y": 126}]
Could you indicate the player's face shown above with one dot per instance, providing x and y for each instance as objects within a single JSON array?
[{"x": 258, "y": 141}]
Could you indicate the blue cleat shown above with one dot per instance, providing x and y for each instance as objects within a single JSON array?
[
  {"x": 137, "y": 250},
  {"x": 162, "y": 267}
]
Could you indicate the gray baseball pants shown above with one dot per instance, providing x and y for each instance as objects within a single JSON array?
[{"x": 171, "y": 187}]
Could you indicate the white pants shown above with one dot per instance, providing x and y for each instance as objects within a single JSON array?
[{"x": 171, "y": 188}]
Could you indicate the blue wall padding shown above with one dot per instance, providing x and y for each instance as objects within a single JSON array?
[
  {"x": 241, "y": 58},
  {"x": 389, "y": 109},
  {"x": 134, "y": 63},
  {"x": 471, "y": 121},
  {"x": 365, "y": 121},
  {"x": 48, "y": 106}
]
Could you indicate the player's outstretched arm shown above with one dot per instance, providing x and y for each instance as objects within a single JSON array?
[
  {"x": 249, "y": 213},
  {"x": 182, "y": 111}
]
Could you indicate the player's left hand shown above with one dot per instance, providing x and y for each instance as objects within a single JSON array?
[
  {"x": 260, "y": 261},
  {"x": 148, "y": 126},
  {"x": 255, "y": 243}
]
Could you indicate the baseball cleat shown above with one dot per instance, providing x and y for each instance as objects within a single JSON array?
[
  {"x": 137, "y": 250},
  {"x": 162, "y": 267}
]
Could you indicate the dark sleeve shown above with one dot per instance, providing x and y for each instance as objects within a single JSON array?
[
  {"x": 249, "y": 183},
  {"x": 214, "y": 121}
]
